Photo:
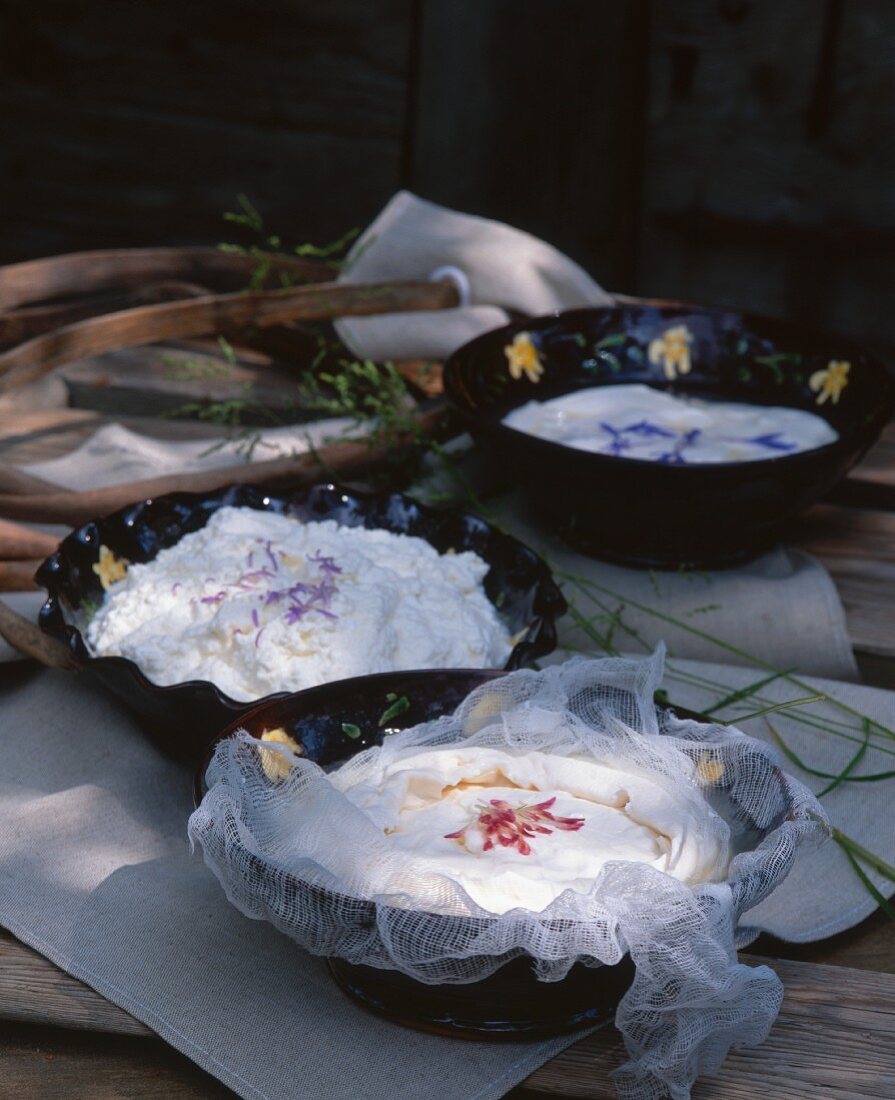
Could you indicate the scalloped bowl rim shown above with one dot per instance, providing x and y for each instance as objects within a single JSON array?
[{"x": 71, "y": 636}]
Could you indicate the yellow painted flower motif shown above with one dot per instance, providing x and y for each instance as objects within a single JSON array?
[
  {"x": 277, "y": 766},
  {"x": 109, "y": 569},
  {"x": 523, "y": 358},
  {"x": 829, "y": 383},
  {"x": 709, "y": 769},
  {"x": 479, "y": 715},
  {"x": 672, "y": 350}
]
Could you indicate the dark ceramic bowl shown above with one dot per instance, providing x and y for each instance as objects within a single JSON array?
[
  {"x": 512, "y": 1003},
  {"x": 333, "y": 722},
  {"x": 653, "y": 515},
  {"x": 182, "y": 718}
]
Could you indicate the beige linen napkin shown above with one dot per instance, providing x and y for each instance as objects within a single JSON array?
[
  {"x": 96, "y": 873},
  {"x": 498, "y": 268},
  {"x": 783, "y": 607}
]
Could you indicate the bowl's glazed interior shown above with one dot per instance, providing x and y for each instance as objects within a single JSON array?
[
  {"x": 646, "y": 513},
  {"x": 183, "y": 717}
]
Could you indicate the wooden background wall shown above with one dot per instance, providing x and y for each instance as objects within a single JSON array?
[{"x": 731, "y": 151}]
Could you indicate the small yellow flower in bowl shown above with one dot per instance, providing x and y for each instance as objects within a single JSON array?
[
  {"x": 277, "y": 766},
  {"x": 522, "y": 358},
  {"x": 709, "y": 768},
  {"x": 829, "y": 383},
  {"x": 109, "y": 569},
  {"x": 672, "y": 350}
]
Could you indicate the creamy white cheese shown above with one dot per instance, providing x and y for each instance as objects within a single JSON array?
[
  {"x": 259, "y": 603},
  {"x": 516, "y": 830},
  {"x": 636, "y": 421}
]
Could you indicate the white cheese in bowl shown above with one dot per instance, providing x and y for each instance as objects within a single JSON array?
[
  {"x": 259, "y": 603},
  {"x": 515, "y": 830},
  {"x": 630, "y": 420}
]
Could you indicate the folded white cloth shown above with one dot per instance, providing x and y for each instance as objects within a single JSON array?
[
  {"x": 502, "y": 267},
  {"x": 114, "y": 454}
]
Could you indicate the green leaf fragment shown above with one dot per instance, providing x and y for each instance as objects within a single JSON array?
[
  {"x": 877, "y": 862},
  {"x": 351, "y": 730},
  {"x": 611, "y": 341},
  {"x": 852, "y": 764},
  {"x": 781, "y": 706},
  {"x": 399, "y": 706},
  {"x": 745, "y": 692},
  {"x": 882, "y": 902}
]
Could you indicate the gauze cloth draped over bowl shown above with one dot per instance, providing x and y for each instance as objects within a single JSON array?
[{"x": 278, "y": 848}]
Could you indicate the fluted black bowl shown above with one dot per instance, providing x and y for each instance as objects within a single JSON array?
[
  {"x": 645, "y": 513},
  {"x": 183, "y": 717}
]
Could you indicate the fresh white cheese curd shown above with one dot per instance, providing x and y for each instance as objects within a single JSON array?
[
  {"x": 259, "y": 603},
  {"x": 517, "y": 830},
  {"x": 636, "y": 421}
]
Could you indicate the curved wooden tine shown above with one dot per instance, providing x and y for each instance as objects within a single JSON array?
[
  {"x": 14, "y": 480},
  {"x": 18, "y": 542},
  {"x": 18, "y": 576},
  {"x": 29, "y": 639},
  {"x": 341, "y": 459},
  {"x": 23, "y": 324},
  {"x": 195, "y": 316},
  {"x": 80, "y": 273}
]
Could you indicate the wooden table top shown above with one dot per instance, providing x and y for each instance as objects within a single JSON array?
[{"x": 835, "y": 1037}]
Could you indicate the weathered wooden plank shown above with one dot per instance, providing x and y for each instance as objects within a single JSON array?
[
  {"x": 857, "y": 546},
  {"x": 770, "y": 173},
  {"x": 867, "y": 591},
  {"x": 831, "y": 1018},
  {"x": 141, "y": 127},
  {"x": 816, "y": 1048},
  {"x": 878, "y": 467},
  {"x": 528, "y": 112},
  {"x": 833, "y": 532},
  {"x": 52, "y": 1064},
  {"x": 33, "y": 990}
]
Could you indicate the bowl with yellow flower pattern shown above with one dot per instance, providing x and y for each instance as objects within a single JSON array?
[
  {"x": 332, "y": 723},
  {"x": 183, "y": 716},
  {"x": 671, "y": 511}
]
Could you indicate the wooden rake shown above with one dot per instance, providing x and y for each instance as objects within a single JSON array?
[{"x": 66, "y": 308}]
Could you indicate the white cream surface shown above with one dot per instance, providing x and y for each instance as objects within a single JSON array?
[
  {"x": 423, "y": 797},
  {"x": 259, "y": 603},
  {"x": 637, "y": 421}
]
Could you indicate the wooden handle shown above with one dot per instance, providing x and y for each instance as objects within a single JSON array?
[
  {"x": 23, "y": 324},
  {"x": 195, "y": 316},
  {"x": 80, "y": 273},
  {"x": 29, "y": 639}
]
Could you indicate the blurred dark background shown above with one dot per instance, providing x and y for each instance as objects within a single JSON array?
[{"x": 728, "y": 151}]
